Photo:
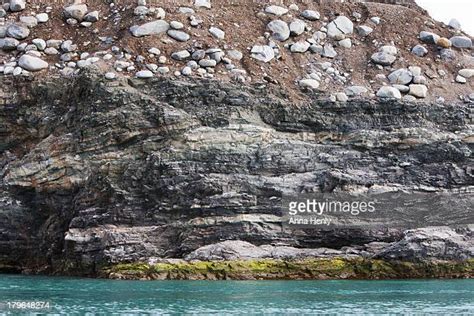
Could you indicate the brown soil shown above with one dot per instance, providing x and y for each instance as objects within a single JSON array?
[{"x": 245, "y": 27}]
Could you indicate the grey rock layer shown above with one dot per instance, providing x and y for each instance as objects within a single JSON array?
[{"x": 435, "y": 243}]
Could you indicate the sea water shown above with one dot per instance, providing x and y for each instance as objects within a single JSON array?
[{"x": 59, "y": 295}]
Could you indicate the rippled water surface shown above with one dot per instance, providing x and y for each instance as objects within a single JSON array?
[{"x": 73, "y": 295}]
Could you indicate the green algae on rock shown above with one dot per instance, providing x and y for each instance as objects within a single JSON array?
[{"x": 268, "y": 269}]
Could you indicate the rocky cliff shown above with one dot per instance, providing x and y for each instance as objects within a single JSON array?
[
  {"x": 96, "y": 173},
  {"x": 155, "y": 139}
]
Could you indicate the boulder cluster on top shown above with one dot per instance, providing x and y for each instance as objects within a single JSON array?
[{"x": 290, "y": 31}]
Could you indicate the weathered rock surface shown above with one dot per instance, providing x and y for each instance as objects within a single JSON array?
[
  {"x": 29, "y": 21},
  {"x": 228, "y": 250},
  {"x": 178, "y": 35},
  {"x": 364, "y": 30},
  {"x": 455, "y": 24},
  {"x": 276, "y": 10},
  {"x": 309, "y": 83},
  {"x": 429, "y": 37},
  {"x": 17, "y": 5},
  {"x": 203, "y": 3},
  {"x": 355, "y": 90},
  {"x": 144, "y": 74},
  {"x": 8, "y": 43},
  {"x": 419, "y": 50},
  {"x": 297, "y": 27},
  {"x": 97, "y": 172},
  {"x": 181, "y": 55},
  {"x": 461, "y": 41},
  {"x": 263, "y": 53},
  {"x": 400, "y": 76},
  {"x": 92, "y": 16},
  {"x": 467, "y": 72},
  {"x": 151, "y": 28},
  {"x": 18, "y": 31},
  {"x": 299, "y": 47},
  {"x": 385, "y": 56},
  {"x": 418, "y": 90},
  {"x": 76, "y": 11},
  {"x": 241, "y": 250},
  {"x": 389, "y": 92},
  {"x": 329, "y": 51},
  {"x": 340, "y": 26},
  {"x": 32, "y": 63},
  {"x": 310, "y": 15},
  {"x": 443, "y": 243},
  {"x": 280, "y": 30},
  {"x": 217, "y": 32}
]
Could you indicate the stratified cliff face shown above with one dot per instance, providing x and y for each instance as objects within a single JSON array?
[{"x": 96, "y": 173}]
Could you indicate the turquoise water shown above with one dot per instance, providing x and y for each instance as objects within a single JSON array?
[{"x": 81, "y": 296}]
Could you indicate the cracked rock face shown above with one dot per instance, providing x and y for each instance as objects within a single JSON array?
[
  {"x": 96, "y": 172},
  {"x": 340, "y": 26}
]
